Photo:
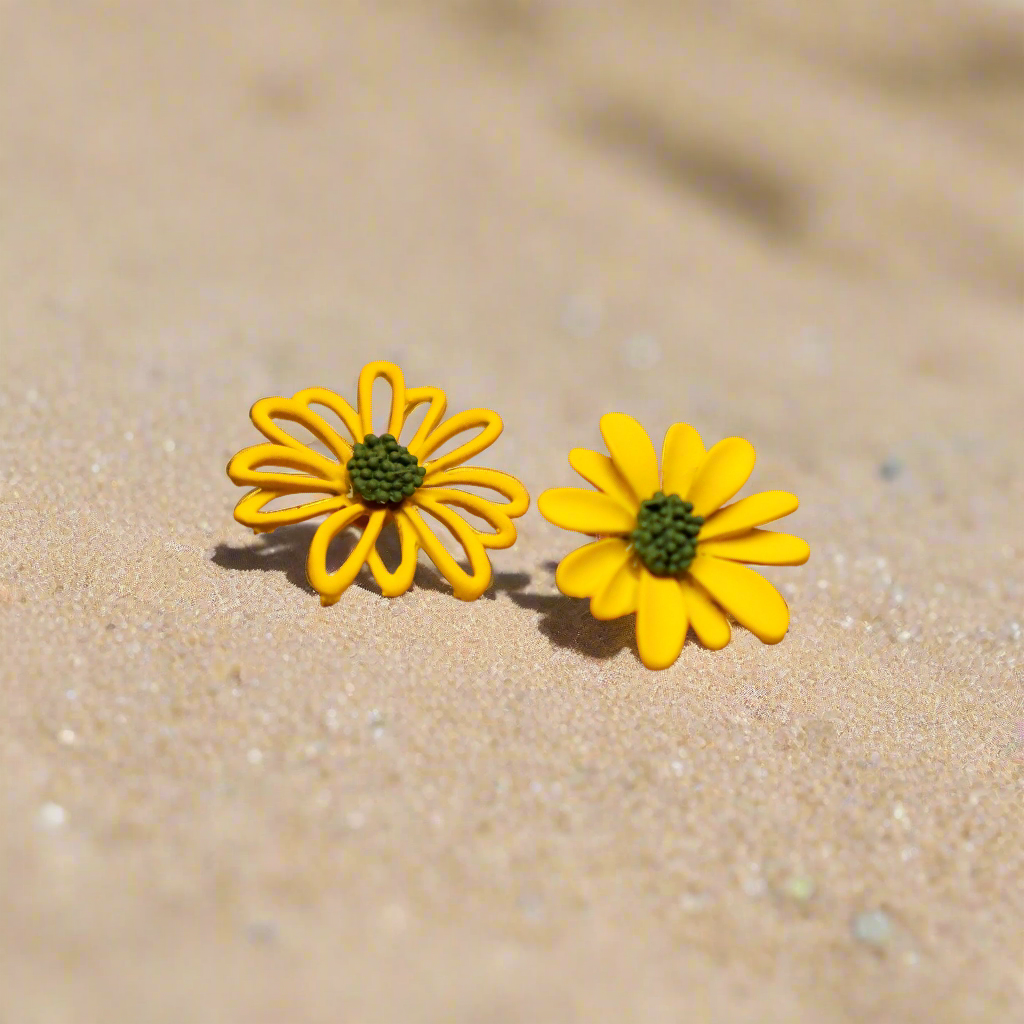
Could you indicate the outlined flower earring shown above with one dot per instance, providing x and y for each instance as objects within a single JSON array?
[
  {"x": 667, "y": 549},
  {"x": 373, "y": 481}
]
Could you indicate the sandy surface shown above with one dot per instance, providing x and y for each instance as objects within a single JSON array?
[{"x": 224, "y": 804}]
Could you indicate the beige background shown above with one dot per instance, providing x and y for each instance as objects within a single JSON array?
[{"x": 796, "y": 222}]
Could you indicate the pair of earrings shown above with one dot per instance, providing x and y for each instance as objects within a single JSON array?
[{"x": 664, "y": 545}]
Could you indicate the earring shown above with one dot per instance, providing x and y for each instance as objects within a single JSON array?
[
  {"x": 371, "y": 481},
  {"x": 667, "y": 549}
]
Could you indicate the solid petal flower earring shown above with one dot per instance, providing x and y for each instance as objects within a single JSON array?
[
  {"x": 667, "y": 549},
  {"x": 372, "y": 481}
]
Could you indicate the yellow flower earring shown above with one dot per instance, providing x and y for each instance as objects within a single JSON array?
[
  {"x": 372, "y": 481},
  {"x": 668, "y": 550}
]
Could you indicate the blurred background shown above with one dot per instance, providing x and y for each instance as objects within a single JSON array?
[
  {"x": 794, "y": 221},
  {"x": 514, "y": 184}
]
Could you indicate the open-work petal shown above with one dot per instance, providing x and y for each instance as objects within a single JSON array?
[
  {"x": 316, "y": 475},
  {"x": 393, "y": 375},
  {"x": 573, "y": 508},
  {"x": 267, "y": 411},
  {"x": 474, "y": 476},
  {"x": 760, "y": 547},
  {"x": 661, "y": 621},
  {"x": 746, "y": 595},
  {"x": 588, "y": 570},
  {"x": 393, "y": 584},
  {"x": 723, "y": 472},
  {"x": 490, "y": 512},
  {"x": 341, "y": 408},
  {"x": 249, "y": 512},
  {"x": 710, "y": 625},
  {"x": 743, "y": 515},
  {"x": 681, "y": 455},
  {"x": 437, "y": 402},
  {"x": 599, "y": 470},
  {"x": 466, "y": 586},
  {"x": 330, "y": 586},
  {"x": 632, "y": 452},
  {"x": 490, "y": 426}
]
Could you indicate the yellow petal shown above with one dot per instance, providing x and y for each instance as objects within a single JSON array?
[
  {"x": 393, "y": 375},
  {"x": 620, "y": 595},
  {"x": 573, "y": 508},
  {"x": 317, "y": 473},
  {"x": 742, "y": 515},
  {"x": 761, "y": 547},
  {"x": 267, "y": 411},
  {"x": 723, "y": 472},
  {"x": 330, "y": 586},
  {"x": 589, "y": 569},
  {"x": 491, "y": 427},
  {"x": 474, "y": 476},
  {"x": 661, "y": 621},
  {"x": 746, "y": 595},
  {"x": 393, "y": 584},
  {"x": 710, "y": 625},
  {"x": 681, "y": 455},
  {"x": 438, "y": 403},
  {"x": 632, "y": 452},
  {"x": 600, "y": 471},
  {"x": 490, "y": 512},
  {"x": 248, "y": 510},
  {"x": 466, "y": 586},
  {"x": 340, "y": 407}
]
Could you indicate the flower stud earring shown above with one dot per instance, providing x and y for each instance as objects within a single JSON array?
[
  {"x": 667, "y": 549},
  {"x": 370, "y": 482}
]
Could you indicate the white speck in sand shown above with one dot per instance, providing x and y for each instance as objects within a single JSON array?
[
  {"x": 169, "y": 446},
  {"x": 66, "y": 736},
  {"x": 254, "y": 756},
  {"x": 872, "y": 927},
  {"x": 583, "y": 316},
  {"x": 52, "y": 815},
  {"x": 754, "y": 886},
  {"x": 641, "y": 352},
  {"x": 394, "y": 918}
]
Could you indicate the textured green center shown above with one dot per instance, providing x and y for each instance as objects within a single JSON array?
[
  {"x": 382, "y": 471},
  {"x": 665, "y": 538}
]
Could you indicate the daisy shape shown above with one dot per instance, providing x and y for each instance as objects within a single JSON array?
[
  {"x": 668, "y": 550},
  {"x": 373, "y": 481}
]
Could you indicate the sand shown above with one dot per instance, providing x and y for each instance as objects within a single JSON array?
[{"x": 224, "y": 804}]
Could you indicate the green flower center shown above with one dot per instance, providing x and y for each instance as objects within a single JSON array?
[
  {"x": 382, "y": 471},
  {"x": 665, "y": 538}
]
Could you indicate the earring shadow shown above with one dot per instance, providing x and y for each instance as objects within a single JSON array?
[
  {"x": 285, "y": 549},
  {"x": 567, "y": 623},
  {"x": 282, "y": 551}
]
